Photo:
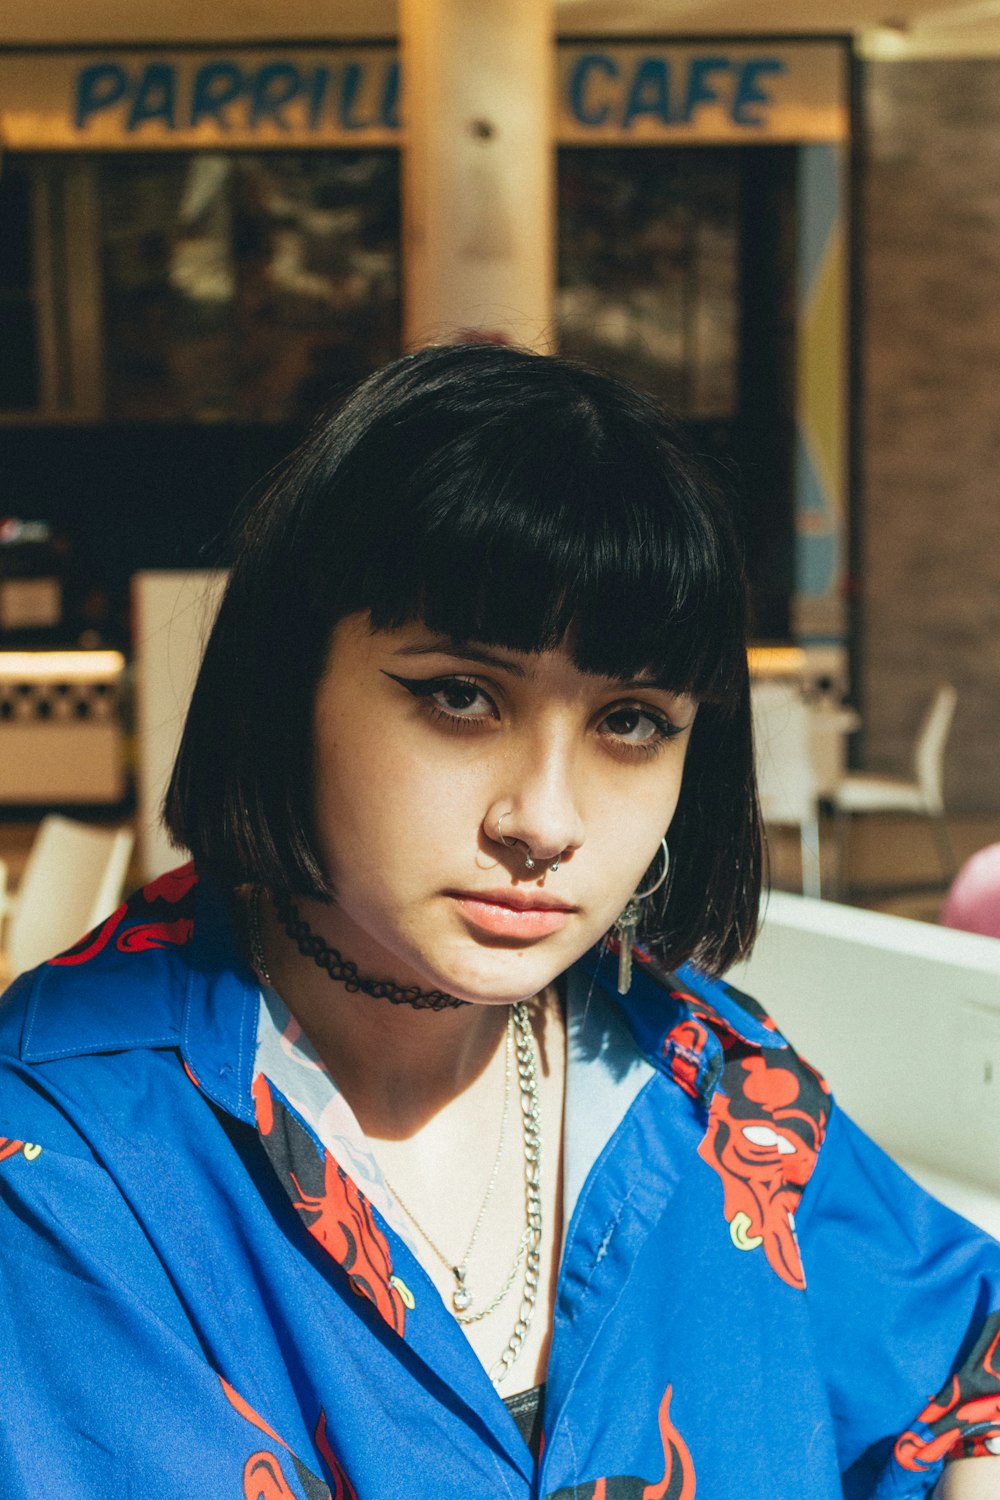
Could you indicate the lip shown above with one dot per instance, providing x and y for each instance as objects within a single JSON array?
[
  {"x": 513, "y": 914},
  {"x": 519, "y": 900}
]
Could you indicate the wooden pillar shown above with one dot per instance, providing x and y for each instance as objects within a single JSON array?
[{"x": 478, "y": 171}]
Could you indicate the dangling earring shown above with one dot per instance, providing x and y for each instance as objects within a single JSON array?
[{"x": 627, "y": 923}]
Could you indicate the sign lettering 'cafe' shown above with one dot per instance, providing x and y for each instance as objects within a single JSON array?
[{"x": 628, "y": 93}]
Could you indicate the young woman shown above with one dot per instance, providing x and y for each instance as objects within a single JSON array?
[{"x": 364, "y": 1156}]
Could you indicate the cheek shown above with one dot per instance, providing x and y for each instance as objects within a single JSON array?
[
  {"x": 628, "y": 841},
  {"x": 376, "y": 802},
  {"x": 644, "y": 809},
  {"x": 670, "y": 792}
]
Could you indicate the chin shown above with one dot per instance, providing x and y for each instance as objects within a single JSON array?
[{"x": 518, "y": 976}]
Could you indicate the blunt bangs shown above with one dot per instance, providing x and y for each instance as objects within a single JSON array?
[
  {"x": 503, "y": 498},
  {"x": 557, "y": 517},
  {"x": 539, "y": 559}
]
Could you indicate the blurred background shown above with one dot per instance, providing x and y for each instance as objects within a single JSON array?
[{"x": 213, "y": 220}]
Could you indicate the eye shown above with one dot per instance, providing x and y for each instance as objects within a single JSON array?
[
  {"x": 639, "y": 727},
  {"x": 458, "y": 700},
  {"x": 465, "y": 699}
]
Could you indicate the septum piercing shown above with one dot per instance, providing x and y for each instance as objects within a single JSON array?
[{"x": 529, "y": 859}]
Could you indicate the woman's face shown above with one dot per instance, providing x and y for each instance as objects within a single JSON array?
[{"x": 422, "y": 745}]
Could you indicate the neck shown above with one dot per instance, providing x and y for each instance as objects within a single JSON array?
[
  {"x": 329, "y": 958},
  {"x": 397, "y": 1066}
]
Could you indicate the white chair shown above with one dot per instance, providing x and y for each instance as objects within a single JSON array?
[
  {"x": 172, "y": 614},
  {"x": 786, "y": 775},
  {"x": 858, "y": 792},
  {"x": 72, "y": 880}
]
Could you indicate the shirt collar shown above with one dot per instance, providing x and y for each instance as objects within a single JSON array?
[
  {"x": 166, "y": 970},
  {"x": 682, "y": 1021}
]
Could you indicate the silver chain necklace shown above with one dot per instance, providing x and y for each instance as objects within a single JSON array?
[
  {"x": 531, "y": 1116},
  {"x": 529, "y": 1246}
]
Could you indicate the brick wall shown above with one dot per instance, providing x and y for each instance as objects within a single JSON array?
[{"x": 931, "y": 413}]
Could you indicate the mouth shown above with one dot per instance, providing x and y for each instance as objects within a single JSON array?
[{"x": 513, "y": 914}]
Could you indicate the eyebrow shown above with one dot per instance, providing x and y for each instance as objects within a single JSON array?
[
  {"x": 659, "y": 683},
  {"x": 445, "y": 646}
]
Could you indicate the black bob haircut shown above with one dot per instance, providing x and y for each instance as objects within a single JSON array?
[{"x": 507, "y": 498}]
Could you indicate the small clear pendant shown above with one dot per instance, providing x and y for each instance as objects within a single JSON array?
[{"x": 461, "y": 1297}]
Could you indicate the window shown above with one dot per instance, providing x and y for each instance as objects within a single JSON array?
[
  {"x": 207, "y": 287},
  {"x": 677, "y": 272},
  {"x": 246, "y": 287}
]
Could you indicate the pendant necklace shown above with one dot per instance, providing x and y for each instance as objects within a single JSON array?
[
  {"x": 520, "y": 1043},
  {"x": 461, "y": 1297}
]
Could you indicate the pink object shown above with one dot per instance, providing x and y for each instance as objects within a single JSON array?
[{"x": 973, "y": 902}]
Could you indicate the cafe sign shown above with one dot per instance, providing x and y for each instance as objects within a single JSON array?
[
  {"x": 634, "y": 94},
  {"x": 631, "y": 93}
]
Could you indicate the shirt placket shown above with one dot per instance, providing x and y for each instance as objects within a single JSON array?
[{"x": 384, "y": 1273}]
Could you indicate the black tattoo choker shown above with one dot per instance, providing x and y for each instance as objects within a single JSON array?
[{"x": 311, "y": 945}]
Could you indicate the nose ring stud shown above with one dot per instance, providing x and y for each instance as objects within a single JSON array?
[{"x": 529, "y": 859}]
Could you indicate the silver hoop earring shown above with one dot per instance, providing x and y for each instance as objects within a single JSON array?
[{"x": 627, "y": 923}]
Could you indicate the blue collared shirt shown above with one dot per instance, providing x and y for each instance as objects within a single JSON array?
[{"x": 201, "y": 1292}]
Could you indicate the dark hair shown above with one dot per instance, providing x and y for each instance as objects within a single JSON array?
[{"x": 507, "y": 498}]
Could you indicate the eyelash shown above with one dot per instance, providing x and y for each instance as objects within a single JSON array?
[
  {"x": 425, "y": 688},
  {"x": 666, "y": 730}
]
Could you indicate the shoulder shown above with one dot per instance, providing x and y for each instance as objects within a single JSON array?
[
  {"x": 759, "y": 1064},
  {"x": 116, "y": 988},
  {"x": 767, "y": 1105},
  {"x": 85, "y": 1027}
]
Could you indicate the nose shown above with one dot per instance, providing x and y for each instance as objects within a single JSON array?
[{"x": 537, "y": 804}]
